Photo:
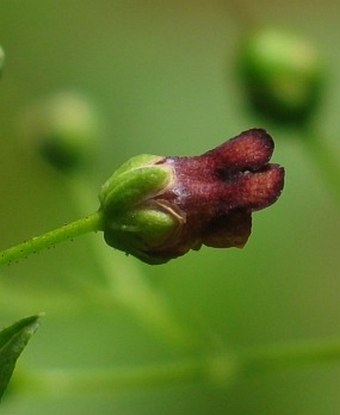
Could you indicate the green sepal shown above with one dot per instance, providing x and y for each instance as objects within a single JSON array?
[
  {"x": 142, "y": 160},
  {"x": 148, "y": 224},
  {"x": 140, "y": 231},
  {"x": 134, "y": 182}
]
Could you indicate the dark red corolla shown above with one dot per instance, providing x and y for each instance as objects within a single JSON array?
[{"x": 203, "y": 200}]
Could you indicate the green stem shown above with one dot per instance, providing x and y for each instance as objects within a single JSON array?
[
  {"x": 220, "y": 369},
  {"x": 293, "y": 356},
  {"x": 70, "y": 382},
  {"x": 326, "y": 161},
  {"x": 109, "y": 381},
  {"x": 91, "y": 223},
  {"x": 128, "y": 287}
]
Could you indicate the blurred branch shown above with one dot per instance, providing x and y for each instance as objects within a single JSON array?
[
  {"x": 324, "y": 159},
  {"x": 125, "y": 283},
  {"x": 220, "y": 369},
  {"x": 290, "y": 356},
  {"x": 62, "y": 382}
]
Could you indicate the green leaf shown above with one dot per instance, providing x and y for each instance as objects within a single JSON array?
[{"x": 13, "y": 340}]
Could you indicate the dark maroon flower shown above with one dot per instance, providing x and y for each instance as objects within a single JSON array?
[{"x": 207, "y": 200}]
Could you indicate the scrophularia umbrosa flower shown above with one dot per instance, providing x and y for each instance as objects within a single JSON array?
[{"x": 158, "y": 208}]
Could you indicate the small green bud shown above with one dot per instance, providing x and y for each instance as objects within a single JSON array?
[
  {"x": 134, "y": 220},
  {"x": 64, "y": 129},
  {"x": 2, "y": 59},
  {"x": 282, "y": 74}
]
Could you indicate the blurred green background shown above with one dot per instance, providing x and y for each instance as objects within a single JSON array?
[{"x": 163, "y": 79}]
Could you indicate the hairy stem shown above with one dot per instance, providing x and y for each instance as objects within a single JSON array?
[{"x": 91, "y": 223}]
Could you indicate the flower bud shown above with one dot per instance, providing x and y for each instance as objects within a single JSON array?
[
  {"x": 158, "y": 208},
  {"x": 64, "y": 130},
  {"x": 282, "y": 74}
]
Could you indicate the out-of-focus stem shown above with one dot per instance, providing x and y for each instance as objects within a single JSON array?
[
  {"x": 126, "y": 283},
  {"x": 221, "y": 370},
  {"x": 62, "y": 382},
  {"x": 327, "y": 162},
  {"x": 290, "y": 356}
]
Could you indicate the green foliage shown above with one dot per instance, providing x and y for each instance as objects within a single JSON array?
[{"x": 13, "y": 341}]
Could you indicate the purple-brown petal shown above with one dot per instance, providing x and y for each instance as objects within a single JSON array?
[
  {"x": 218, "y": 190},
  {"x": 249, "y": 150},
  {"x": 232, "y": 229},
  {"x": 260, "y": 189}
]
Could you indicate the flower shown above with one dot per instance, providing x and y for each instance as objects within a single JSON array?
[{"x": 158, "y": 208}]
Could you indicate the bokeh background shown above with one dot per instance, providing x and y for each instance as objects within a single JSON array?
[{"x": 163, "y": 79}]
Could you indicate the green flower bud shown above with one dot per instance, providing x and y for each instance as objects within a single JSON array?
[
  {"x": 282, "y": 74},
  {"x": 134, "y": 220},
  {"x": 64, "y": 130}
]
